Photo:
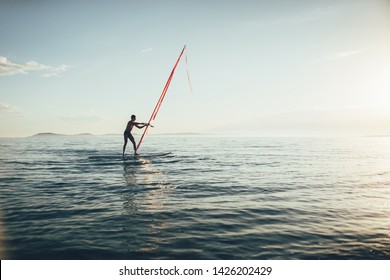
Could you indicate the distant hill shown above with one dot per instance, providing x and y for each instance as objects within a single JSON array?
[
  {"x": 83, "y": 134},
  {"x": 47, "y": 134},
  {"x": 51, "y": 134}
]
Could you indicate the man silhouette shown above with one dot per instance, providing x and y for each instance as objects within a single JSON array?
[{"x": 127, "y": 133}]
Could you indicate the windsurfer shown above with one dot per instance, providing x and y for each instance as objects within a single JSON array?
[{"x": 127, "y": 133}]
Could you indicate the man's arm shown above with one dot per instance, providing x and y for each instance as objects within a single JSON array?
[{"x": 141, "y": 125}]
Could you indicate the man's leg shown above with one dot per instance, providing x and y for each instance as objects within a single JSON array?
[
  {"x": 133, "y": 141},
  {"x": 124, "y": 145}
]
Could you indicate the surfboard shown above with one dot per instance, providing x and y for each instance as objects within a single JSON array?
[{"x": 152, "y": 154}]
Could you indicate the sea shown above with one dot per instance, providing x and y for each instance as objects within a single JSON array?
[{"x": 211, "y": 198}]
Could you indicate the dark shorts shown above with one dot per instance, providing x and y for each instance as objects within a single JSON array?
[{"x": 127, "y": 134}]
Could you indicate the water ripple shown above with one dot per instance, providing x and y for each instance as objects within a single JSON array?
[{"x": 212, "y": 198}]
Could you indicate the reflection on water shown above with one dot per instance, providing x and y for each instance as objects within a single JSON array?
[
  {"x": 3, "y": 249},
  {"x": 145, "y": 201}
]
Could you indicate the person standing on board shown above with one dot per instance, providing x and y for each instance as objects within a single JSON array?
[{"x": 127, "y": 133}]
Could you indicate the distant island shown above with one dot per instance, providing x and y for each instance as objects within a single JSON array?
[
  {"x": 45, "y": 134},
  {"x": 51, "y": 134}
]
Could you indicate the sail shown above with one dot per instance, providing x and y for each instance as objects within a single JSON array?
[{"x": 160, "y": 100}]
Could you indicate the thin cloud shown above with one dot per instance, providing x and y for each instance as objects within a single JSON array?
[
  {"x": 56, "y": 71},
  {"x": 8, "y": 68},
  {"x": 316, "y": 14},
  {"x": 343, "y": 54},
  {"x": 147, "y": 50},
  {"x": 9, "y": 109}
]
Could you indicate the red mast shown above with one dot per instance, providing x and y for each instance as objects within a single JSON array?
[{"x": 160, "y": 100}]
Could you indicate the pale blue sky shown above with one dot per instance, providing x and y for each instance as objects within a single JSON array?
[{"x": 281, "y": 67}]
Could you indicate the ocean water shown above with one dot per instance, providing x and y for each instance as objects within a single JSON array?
[{"x": 211, "y": 198}]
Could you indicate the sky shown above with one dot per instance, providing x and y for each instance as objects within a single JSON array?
[{"x": 267, "y": 68}]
